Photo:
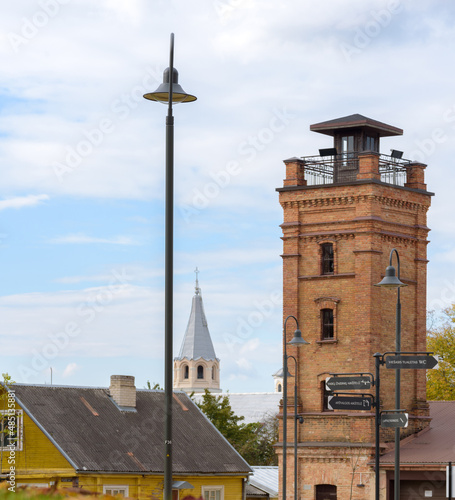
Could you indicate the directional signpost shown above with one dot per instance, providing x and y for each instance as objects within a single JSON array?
[
  {"x": 354, "y": 403},
  {"x": 423, "y": 362},
  {"x": 394, "y": 420},
  {"x": 346, "y": 383}
]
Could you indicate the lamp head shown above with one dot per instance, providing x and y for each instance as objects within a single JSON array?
[
  {"x": 298, "y": 340},
  {"x": 390, "y": 279},
  {"x": 161, "y": 94}
]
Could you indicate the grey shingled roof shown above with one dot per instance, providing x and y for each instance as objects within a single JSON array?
[
  {"x": 433, "y": 445},
  {"x": 95, "y": 435},
  {"x": 355, "y": 120},
  {"x": 197, "y": 342}
]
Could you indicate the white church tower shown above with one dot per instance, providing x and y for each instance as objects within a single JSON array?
[{"x": 197, "y": 368}]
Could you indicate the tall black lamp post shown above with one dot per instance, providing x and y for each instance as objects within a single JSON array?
[
  {"x": 296, "y": 341},
  {"x": 169, "y": 92},
  {"x": 392, "y": 280}
]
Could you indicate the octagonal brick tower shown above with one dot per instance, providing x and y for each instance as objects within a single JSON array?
[{"x": 344, "y": 211}]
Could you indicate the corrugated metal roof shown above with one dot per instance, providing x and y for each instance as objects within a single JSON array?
[
  {"x": 110, "y": 440},
  {"x": 265, "y": 479},
  {"x": 197, "y": 342},
  {"x": 254, "y": 406},
  {"x": 435, "y": 444}
]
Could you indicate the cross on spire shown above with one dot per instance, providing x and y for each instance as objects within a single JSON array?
[{"x": 198, "y": 290}]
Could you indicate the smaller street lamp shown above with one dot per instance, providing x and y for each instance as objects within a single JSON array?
[
  {"x": 297, "y": 341},
  {"x": 392, "y": 280},
  {"x": 300, "y": 419}
]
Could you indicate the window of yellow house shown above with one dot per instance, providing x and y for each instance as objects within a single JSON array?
[
  {"x": 115, "y": 489},
  {"x": 213, "y": 492},
  {"x": 11, "y": 427}
]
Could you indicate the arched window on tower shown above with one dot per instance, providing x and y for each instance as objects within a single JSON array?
[
  {"x": 200, "y": 372},
  {"x": 186, "y": 372},
  {"x": 213, "y": 373}
]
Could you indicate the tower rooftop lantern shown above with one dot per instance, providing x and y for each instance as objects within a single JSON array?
[{"x": 355, "y": 121}]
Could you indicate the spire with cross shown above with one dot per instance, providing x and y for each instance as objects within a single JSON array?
[{"x": 198, "y": 290}]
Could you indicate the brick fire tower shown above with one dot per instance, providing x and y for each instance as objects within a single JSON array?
[{"x": 344, "y": 211}]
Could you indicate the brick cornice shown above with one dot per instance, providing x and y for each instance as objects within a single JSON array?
[
  {"x": 331, "y": 200},
  {"x": 290, "y": 224},
  {"x": 368, "y": 251},
  {"x": 327, "y": 234}
]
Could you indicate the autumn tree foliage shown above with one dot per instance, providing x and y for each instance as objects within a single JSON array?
[{"x": 441, "y": 341}]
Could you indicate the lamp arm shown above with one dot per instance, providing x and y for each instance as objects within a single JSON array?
[{"x": 394, "y": 250}]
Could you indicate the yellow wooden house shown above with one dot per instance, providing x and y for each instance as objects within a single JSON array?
[{"x": 110, "y": 440}]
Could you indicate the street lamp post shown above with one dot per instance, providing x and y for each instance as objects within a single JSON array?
[
  {"x": 169, "y": 92},
  {"x": 296, "y": 341},
  {"x": 392, "y": 280},
  {"x": 296, "y": 418}
]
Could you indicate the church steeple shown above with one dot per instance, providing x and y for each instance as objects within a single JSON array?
[{"x": 197, "y": 368}]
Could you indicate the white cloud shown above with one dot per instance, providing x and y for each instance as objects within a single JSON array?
[
  {"x": 81, "y": 238},
  {"x": 70, "y": 369},
  {"x": 23, "y": 201}
]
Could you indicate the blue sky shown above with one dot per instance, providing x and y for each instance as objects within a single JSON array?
[{"x": 82, "y": 166}]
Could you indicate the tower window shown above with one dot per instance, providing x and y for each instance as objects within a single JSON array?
[
  {"x": 327, "y": 313},
  {"x": 327, "y": 258},
  {"x": 347, "y": 144},
  {"x": 200, "y": 372},
  {"x": 370, "y": 143},
  {"x": 327, "y": 324},
  {"x": 186, "y": 372},
  {"x": 213, "y": 373}
]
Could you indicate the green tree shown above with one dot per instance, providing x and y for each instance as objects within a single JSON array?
[
  {"x": 154, "y": 386},
  {"x": 253, "y": 441},
  {"x": 441, "y": 340}
]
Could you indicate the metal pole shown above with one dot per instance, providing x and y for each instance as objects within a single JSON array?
[
  {"x": 450, "y": 481},
  {"x": 295, "y": 433},
  {"x": 168, "y": 284},
  {"x": 296, "y": 341},
  {"x": 377, "y": 423},
  {"x": 285, "y": 411},
  {"x": 397, "y": 384}
]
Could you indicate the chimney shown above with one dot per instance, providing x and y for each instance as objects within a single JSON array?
[{"x": 123, "y": 391}]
